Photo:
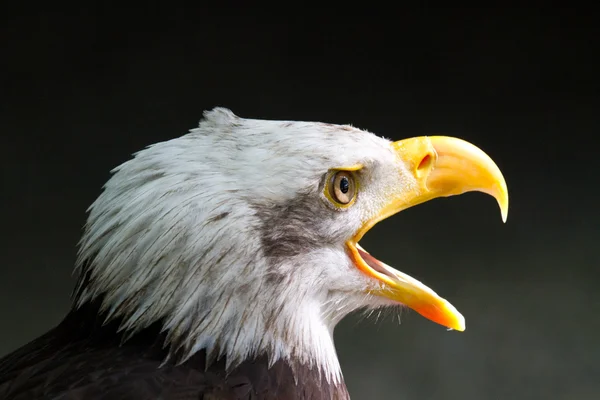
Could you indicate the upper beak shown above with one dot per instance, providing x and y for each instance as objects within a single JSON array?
[{"x": 442, "y": 166}]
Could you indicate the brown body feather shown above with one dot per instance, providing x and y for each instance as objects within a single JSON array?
[{"x": 81, "y": 359}]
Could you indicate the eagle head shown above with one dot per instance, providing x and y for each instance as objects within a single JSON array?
[{"x": 241, "y": 236}]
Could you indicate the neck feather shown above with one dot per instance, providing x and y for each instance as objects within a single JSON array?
[
  {"x": 238, "y": 327},
  {"x": 284, "y": 378}
]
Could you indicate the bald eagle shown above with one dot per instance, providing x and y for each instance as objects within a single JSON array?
[{"x": 217, "y": 264}]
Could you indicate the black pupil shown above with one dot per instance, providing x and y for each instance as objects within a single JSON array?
[{"x": 344, "y": 185}]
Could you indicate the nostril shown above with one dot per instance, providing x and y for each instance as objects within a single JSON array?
[{"x": 424, "y": 164}]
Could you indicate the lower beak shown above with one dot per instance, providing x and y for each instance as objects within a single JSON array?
[{"x": 441, "y": 166}]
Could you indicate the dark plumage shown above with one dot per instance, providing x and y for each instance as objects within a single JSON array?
[{"x": 55, "y": 366}]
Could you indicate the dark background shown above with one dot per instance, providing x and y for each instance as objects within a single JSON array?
[{"x": 83, "y": 89}]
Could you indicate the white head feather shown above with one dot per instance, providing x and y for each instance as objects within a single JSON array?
[{"x": 225, "y": 236}]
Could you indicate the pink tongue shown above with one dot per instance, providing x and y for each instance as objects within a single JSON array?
[{"x": 373, "y": 263}]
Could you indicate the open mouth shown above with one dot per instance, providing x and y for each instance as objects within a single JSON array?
[
  {"x": 406, "y": 290},
  {"x": 376, "y": 265},
  {"x": 440, "y": 166}
]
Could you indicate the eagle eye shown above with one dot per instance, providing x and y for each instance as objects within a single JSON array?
[{"x": 341, "y": 188}]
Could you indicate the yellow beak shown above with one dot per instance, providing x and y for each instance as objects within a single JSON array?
[{"x": 442, "y": 166}]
